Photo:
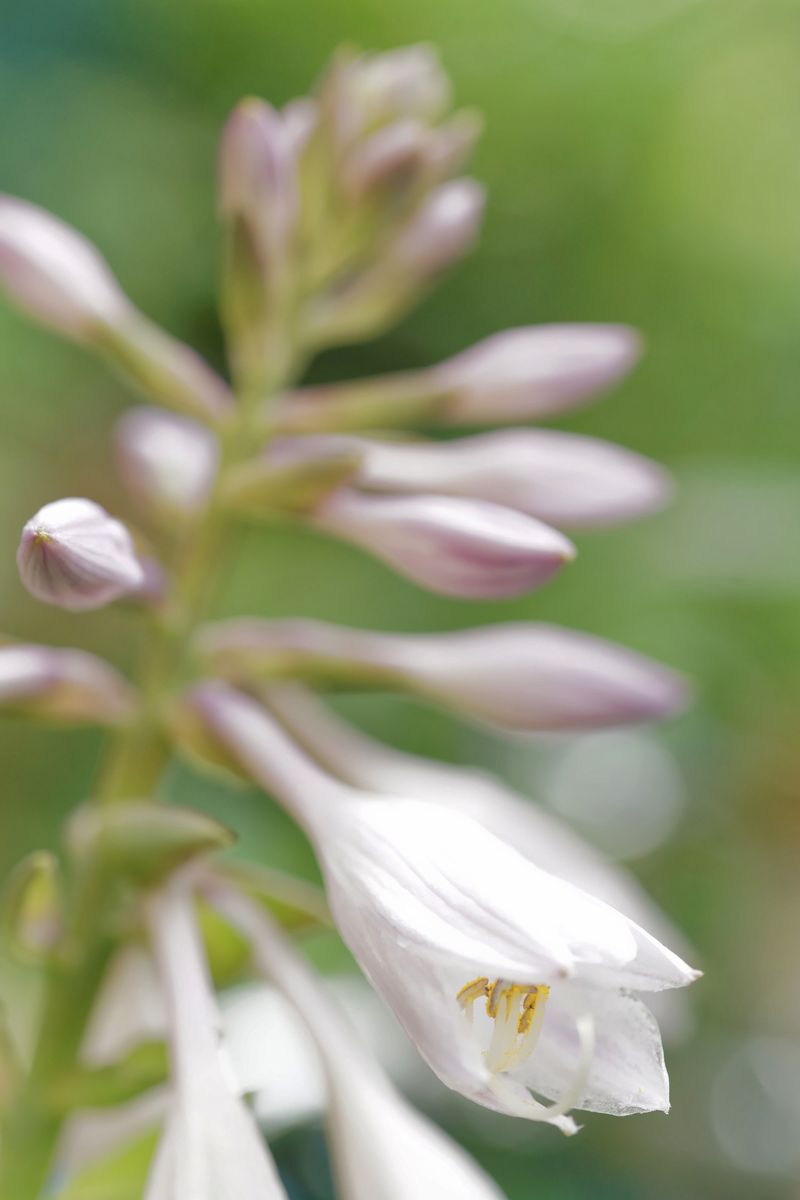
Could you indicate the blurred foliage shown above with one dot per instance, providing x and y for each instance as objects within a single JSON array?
[{"x": 643, "y": 165}]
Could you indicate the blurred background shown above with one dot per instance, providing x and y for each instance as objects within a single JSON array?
[{"x": 643, "y": 165}]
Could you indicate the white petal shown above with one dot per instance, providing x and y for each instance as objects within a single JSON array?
[
  {"x": 380, "y": 1146},
  {"x": 627, "y": 1073}
]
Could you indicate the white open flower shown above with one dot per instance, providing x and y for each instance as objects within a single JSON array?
[
  {"x": 381, "y": 1148},
  {"x": 538, "y": 833},
  {"x": 509, "y": 981},
  {"x": 526, "y": 677},
  {"x": 211, "y": 1148}
]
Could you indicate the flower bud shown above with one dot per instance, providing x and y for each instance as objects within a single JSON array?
[
  {"x": 143, "y": 842},
  {"x": 521, "y": 677},
  {"x": 68, "y": 686},
  {"x": 533, "y": 372},
  {"x": 294, "y": 475},
  {"x": 464, "y": 548},
  {"x": 567, "y": 480},
  {"x": 54, "y": 273},
  {"x": 167, "y": 463},
  {"x": 441, "y": 232},
  {"x": 75, "y": 555},
  {"x": 406, "y": 82},
  {"x": 256, "y": 172},
  {"x": 31, "y": 909}
]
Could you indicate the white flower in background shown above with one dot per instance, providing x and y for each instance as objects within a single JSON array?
[
  {"x": 522, "y": 677},
  {"x": 457, "y": 547},
  {"x": 73, "y": 554},
  {"x": 167, "y": 462},
  {"x": 211, "y": 1148},
  {"x": 380, "y": 1147},
  {"x": 509, "y": 981}
]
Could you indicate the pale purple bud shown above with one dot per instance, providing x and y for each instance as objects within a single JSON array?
[
  {"x": 534, "y": 371},
  {"x": 299, "y": 119},
  {"x": 74, "y": 554},
  {"x": 63, "y": 685},
  {"x": 442, "y": 231},
  {"x": 387, "y": 160},
  {"x": 257, "y": 172},
  {"x": 564, "y": 479},
  {"x": 405, "y": 82},
  {"x": 168, "y": 463},
  {"x": 54, "y": 274},
  {"x": 465, "y": 548},
  {"x": 522, "y": 677}
]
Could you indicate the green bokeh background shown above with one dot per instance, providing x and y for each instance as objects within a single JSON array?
[{"x": 643, "y": 165}]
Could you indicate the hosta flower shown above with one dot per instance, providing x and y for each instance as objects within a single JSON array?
[
  {"x": 381, "y": 1147},
  {"x": 533, "y": 830},
  {"x": 520, "y": 374},
  {"x": 564, "y": 479},
  {"x": 514, "y": 985},
  {"x": 166, "y": 462},
  {"x": 522, "y": 676},
  {"x": 74, "y": 554},
  {"x": 67, "y": 686},
  {"x": 211, "y": 1148},
  {"x": 466, "y": 548}
]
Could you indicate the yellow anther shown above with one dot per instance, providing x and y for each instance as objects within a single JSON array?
[
  {"x": 473, "y": 991},
  {"x": 532, "y": 998}
]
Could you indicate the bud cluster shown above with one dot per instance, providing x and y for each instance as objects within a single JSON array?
[{"x": 338, "y": 211}]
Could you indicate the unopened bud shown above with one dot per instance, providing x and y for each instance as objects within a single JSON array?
[
  {"x": 294, "y": 476},
  {"x": 523, "y": 677},
  {"x": 75, "y": 555},
  {"x": 67, "y": 686},
  {"x": 464, "y": 548},
  {"x": 143, "y": 842},
  {"x": 567, "y": 480},
  {"x": 166, "y": 462},
  {"x": 257, "y": 173},
  {"x": 31, "y": 908},
  {"x": 441, "y": 232},
  {"x": 405, "y": 82},
  {"x": 54, "y": 274},
  {"x": 533, "y": 372}
]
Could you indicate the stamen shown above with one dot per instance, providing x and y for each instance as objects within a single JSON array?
[{"x": 470, "y": 992}]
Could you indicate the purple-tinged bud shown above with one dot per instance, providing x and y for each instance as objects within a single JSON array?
[
  {"x": 68, "y": 686},
  {"x": 464, "y": 548},
  {"x": 386, "y": 162},
  {"x": 257, "y": 180},
  {"x": 520, "y": 677},
  {"x": 534, "y": 372},
  {"x": 59, "y": 278},
  {"x": 167, "y": 463},
  {"x": 565, "y": 479},
  {"x": 405, "y": 82},
  {"x": 75, "y": 555},
  {"x": 299, "y": 117},
  {"x": 54, "y": 274},
  {"x": 441, "y": 232}
]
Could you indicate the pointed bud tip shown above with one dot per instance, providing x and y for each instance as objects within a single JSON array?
[{"x": 74, "y": 555}]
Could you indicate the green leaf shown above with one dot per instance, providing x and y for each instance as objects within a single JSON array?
[{"x": 121, "y": 1176}]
